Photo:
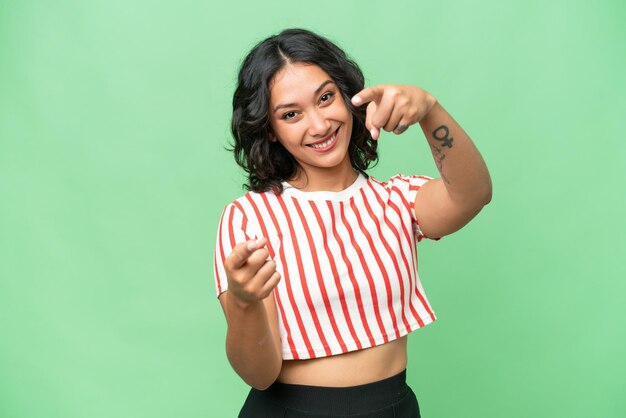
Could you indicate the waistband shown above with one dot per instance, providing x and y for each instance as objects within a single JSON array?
[{"x": 339, "y": 400}]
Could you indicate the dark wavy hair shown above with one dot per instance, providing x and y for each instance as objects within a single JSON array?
[{"x": 266, "y": 162}]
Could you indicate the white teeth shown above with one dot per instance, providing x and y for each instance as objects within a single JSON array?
[{"x": 326, "y": 143}]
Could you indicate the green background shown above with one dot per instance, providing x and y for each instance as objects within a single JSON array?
[{"x": 113, "y": 120}]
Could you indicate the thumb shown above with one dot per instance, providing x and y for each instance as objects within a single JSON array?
[
  {"x": 369, "y": 94},
  {"x": 243, "y": 250}
]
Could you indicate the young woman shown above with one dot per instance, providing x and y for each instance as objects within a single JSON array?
[{"x": 316, "y": 266}]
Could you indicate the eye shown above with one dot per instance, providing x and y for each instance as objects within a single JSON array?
[
  {"x": 327, "y": 97},
  {"x": 288, "y": 115}
]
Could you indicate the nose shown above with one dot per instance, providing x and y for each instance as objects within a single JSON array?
[{"x": 319, "y": 125}]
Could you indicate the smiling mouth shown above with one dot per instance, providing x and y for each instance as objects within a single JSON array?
[{"x": 325, "y": 144}]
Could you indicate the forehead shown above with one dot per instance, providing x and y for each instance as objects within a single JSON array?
[{"x": 296, "y": 82}]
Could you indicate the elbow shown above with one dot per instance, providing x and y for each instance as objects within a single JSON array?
[
  {"x": 480, "y": 202},
  {"x": 487, "y": 191},
  {"x": 265, "y": 379},
  {"x": 475, "y": 201},
  {"x": 488, "y": 195},
  {"x": 472, "y": 197},
  {"x": 259, "y": 372},
  {"x": 261, "y": 385}
]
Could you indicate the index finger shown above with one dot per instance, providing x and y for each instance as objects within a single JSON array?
[
  {"x": 369, "y": 94},
  {"x": 243, "y": 250}
]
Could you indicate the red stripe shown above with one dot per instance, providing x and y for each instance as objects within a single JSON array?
[
  {"x": 414, "y": 255},
  {"x": 402, "y": 248},
  {"x": 422, "y": 298},
  {"x": 381, "y": 266},
  {"x": 391, "y": 254},
  {"x": 290, "y": 296},
  {"x": 307, "y": 295},
  {"x": 402, "y": 199},
  {"x": 244, "y": 224},
  {"x": 318, "y": 274},
  {"x": 257, "y": 212},
  {"x": 244, "y": 221},
  {"x": 366, "y": 269},
  {"x": 216, "y": 274},
  {"x": 333, "y": 268},
  {"x": 402, "y": 218},
  {"x": 221, "y": 252},
  {"x": 355, "y": 284},
  {"x": 231, "y": 233},
  {"x": 414, "y": 188},
  {"x": 290, "y": 342},
  {"x": 411, "y": 245}
]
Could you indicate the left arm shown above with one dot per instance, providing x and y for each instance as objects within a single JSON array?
[{"x": 443, "y": 205}]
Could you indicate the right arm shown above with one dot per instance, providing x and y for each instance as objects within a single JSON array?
[{"x": 252, "y": 339}]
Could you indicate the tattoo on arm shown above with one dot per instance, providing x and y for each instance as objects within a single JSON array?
[
  {"x": 442, "y": 133},
  {"x": 439, "y": 157}
]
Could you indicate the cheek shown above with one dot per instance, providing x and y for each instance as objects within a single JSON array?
[
  {"x": 349, "y": 119},
  {"x": 346, "y": 115},
  {"x": 289, "y": 135}
]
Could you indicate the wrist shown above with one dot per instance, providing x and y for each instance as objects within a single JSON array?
[
  {"x": 432, "y": 105},
  {"x": 239, "y": 303}
]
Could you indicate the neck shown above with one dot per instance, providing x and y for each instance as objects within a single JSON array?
[{"x": 316, "y": 179}]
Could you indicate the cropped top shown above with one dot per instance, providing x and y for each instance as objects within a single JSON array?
[{"x": 348, "y": 262}]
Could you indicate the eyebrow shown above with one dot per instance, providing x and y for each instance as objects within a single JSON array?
[{"x": 317, "y": 91}]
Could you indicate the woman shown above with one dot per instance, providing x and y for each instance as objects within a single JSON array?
[{"x": 316, "y": 266}]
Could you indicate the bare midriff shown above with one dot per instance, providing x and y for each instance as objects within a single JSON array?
[{"x": 349, "y": 369}]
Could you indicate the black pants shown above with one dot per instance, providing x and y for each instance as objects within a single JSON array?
[{"x": 390, "y": 397}]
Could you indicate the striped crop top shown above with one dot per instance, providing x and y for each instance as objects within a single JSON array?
[{"x": 348, "y": 262}]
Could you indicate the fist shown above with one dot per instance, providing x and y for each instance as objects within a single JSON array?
[
  {"x": 393, "y": 107},
  {"x": 251, "y": 276}
]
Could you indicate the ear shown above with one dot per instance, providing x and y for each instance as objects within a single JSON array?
[{"x": 272, "y": 137}]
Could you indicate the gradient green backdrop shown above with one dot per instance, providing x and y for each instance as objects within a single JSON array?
[{"x": 113, "y": 120}]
